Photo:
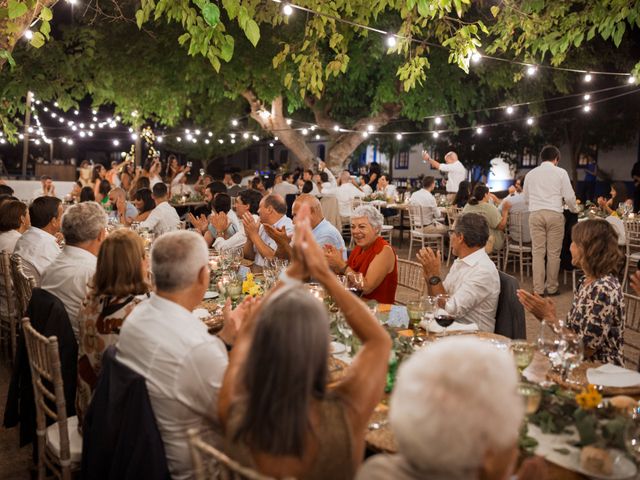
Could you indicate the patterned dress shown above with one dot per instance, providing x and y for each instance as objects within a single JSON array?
[
  {"x": 597, "y": 314},
  {"x": 99, "y": 322}
]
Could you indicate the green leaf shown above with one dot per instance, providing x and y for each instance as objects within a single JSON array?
[
  {"x": 211, "y": 14},
  {"x": 139, "y": 18},
  {"x": 38, "y": 40},
  {"x": 215, "y": 63},
  {"x": 182, "y": 39},
  {"x": 252, "y": 31},
  {"x": 231, "y": 6},
  {"x": 16, "y": 9},
  {"x": 226, "y": 48},
  {"x": 7, "y": 54},
  {"x": 495, "y": 10},
  {"x": 46, "y": 14},
  {"x": 423, "y": 8},
  {"x": 45, "y": 28}
]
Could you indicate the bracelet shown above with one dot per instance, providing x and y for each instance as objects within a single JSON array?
[{"x": 289, "y": 281}]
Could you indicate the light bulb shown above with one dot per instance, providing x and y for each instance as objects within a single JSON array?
[
  {"x": 587, "y": 77},
  {"x": 436, "y": 134},
  {"x": 28, "y": 34},
  {"x": 476, "y": 57},
  {"x": 587, "y": 97},
  {"x": 530, "y": 121},
  {"x": 391, "y": 41},
  {"x": 587, "y": 108},
  {"x": 116, "y": 143},
  {"x": 479, "y": 130},
  {"x": 287, "y": 10},
  {"x": 531, "y": 70},
  {"x": 510, "y": 110}
]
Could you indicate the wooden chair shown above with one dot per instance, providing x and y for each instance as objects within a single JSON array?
[
  {"x": 23, "y": 285},
  {"x": 452, "y": 216},
  {"x": 631, "y": 349},
  {"x": 8, "y": 315},
  {"x": 632, "y": 248},
  {"x": 410, "y": 276},
  {"x": 418, "y": 218},
  {"x": 387, "y": 233},
  {"x": 517, "y": 250},
  {"x": 209, "y": 463},
  {"x": 60, "y": 444}
]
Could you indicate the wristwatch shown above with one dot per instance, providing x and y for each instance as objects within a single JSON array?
[{"x": 435, "y": 280}]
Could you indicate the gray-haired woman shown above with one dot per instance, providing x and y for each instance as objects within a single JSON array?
[{"x": 373, "y": 256}]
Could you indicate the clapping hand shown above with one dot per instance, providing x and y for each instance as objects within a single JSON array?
[
  {"x": 279, "y": 235},
  {"x": 219, "y": 221},
  {"x": 333, "y": 256},
  {"x": 199, "y": 223},
  {"x": 306, "y": 249},
  {"x": 120, "y": 206},
  {"x": 430, "y": 262},
  {"x": 251, "y": 227},
  {"x": 541, "y": 308},
  {"x": 236, "y": 319}
]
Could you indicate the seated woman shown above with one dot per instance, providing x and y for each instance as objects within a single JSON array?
[
  {"x": 103, "y": 192},
  {"x": 87, "y": 195},
  {"x": 373, "y": 256},
  {"x": 464, "y": 192},
  {"x": 258, "y": 184},
  {"x": 278, "y": 414},
  {"x": 222, "y": 213},
  {"x": 479, "y": 203},
  {"x": 143, "y": 201},
  {"x": 138, "y": 183},
  {"x": 448, "y": 426},
  {"x": 619, "y": 195},
  {"x": 14, "y": 221},
  {"x": 597, "y": 311},
  {"x": 119, "y": 284}
]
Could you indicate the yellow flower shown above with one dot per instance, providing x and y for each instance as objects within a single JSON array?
[
  {"x": 255, "y": 290},
  {"x": 248, "y": 284},
  {"x": 589, "y": 398}
]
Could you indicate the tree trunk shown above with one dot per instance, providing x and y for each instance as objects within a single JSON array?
[
  {"x": 575, "y": 138},
  {"x": 276, "y": 123},
  {"x": 342, "y": 144},
  {"x": 12, "y": 30}
]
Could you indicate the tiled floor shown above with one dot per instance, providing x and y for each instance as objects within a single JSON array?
[{"x": 14, "y": 462}]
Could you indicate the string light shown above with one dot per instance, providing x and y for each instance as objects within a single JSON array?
[
  {"x": 587, "y": 108},
  {"x": 587, "y": 77},
  {"x": 287, "y": 10},
  {"x": 245, "y": 135},
  {"x": 530, "y": 121},
  {"x": 365, "y": 134},
  {"x": 179, "y": 139},
  {"x": 305, "y": 131},
  {"x": 531, "y": 70},
  {"x": 116, "y": 143},
  {"x": 288, "y": 121},
  {"x": 437, "y": 120},
  {"x": 631, "y": 80},
  {"x": 160, "y": 139},
  {"x": 271, "y": 144},
  {"x": 435, "y": 134},
  {"x": 476, "y": 57},
  {"x": 234, "y": 122},
  {"x": 398, "y": 136},
  {"x": 510, "y": 110},
  {"x": 587, "y": 97},
  {"x": 391, "y": 41},
  {"x": 28, "y": 34},
  {"x": 336, "y": 128},
  {"x": 479, "y": 130}
]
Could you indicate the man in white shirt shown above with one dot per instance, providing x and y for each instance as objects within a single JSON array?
[
  {"x": 386, "y": 188},
  {"x": 453, "y": 168},
  {"x": 546, "y": 189},
  {"x": 260, "y": 246},
  {"x": 164, "y": 217},
  {"x": 163, "y": 341},
  {"x": 473, "y": 283},
  {"x": 307, "y": 176},
  {"x": 84, "y": 228},
  {"x": 346, "y": 193},
  {"x": 286, "y": 187},
  {"x": 430, "y": 211},
  {"x": 38, "y": 246},
  {"x": 48, "y": 189},
  {"x": 247, "y": 201},
  {"x": 517, "y": 204}
]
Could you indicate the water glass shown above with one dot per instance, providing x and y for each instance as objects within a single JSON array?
[
  {"x": 571, "y": 354},
  {"x": 549, "y": 343},
  {"x": 355, "y": 282}
]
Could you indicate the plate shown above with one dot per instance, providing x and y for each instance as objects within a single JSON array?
[
  {"x": 209, "y": 295},
  {"x": 623, "y": 467}
]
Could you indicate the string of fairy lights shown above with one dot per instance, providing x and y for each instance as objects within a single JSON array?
[{"x": 440, "y": 123}]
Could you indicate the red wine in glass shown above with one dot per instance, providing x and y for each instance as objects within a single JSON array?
[
  {"x": 444, "y": 319},
  {"x": 356, "y": 291}
]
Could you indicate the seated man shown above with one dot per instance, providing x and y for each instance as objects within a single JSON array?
[
  {"x": 516, "y": 203},
  {"x": 247, "y": 201},
  {"x": 323, "y": 232},
  {"x": 234, "y": 189},
  {"x": 38, "y": 246},
  {"x": 83, "y": 228},
  {"x": 221, "y": 205},
  {"x": 260, "y": 245},
  {"x": 164, "y": 217},
  {"x": 473, "y": 283},
  {"x": 346, "y": 192},
  {"x": 447, "y": 425},
  {"x": 48, "y": 189},
  {"x": 286, "y": 187},
  {"x": 164, "y": 342},
  {"x": 430, "y": 211},
  {"x": 124, "y": 209}
]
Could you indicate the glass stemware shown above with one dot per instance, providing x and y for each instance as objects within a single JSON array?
[
  {"x": 355, "y": 283},
  {"x": 571, "y": 354},
  {"x": 549, "y": 343},
  {"x": 442, "y": 317},
  {"x": 522, "y": 353},
  {"x": 416, "y": 310},
  {"x": 632, "y": 436}
]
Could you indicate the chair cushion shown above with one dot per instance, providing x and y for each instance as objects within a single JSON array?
[
  {"x": 516, "y": 248},
  {"x": 75, "y": 440}
]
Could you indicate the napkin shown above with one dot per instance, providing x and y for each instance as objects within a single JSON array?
[
  {"x": 430, "y": 325},
  {"x": 209, "y": 295},
  {"x": 398, "y": 317},
  {"x": 613, "y": 376}
]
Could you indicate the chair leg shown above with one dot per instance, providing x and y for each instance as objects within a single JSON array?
[
  {"x": 626, "y": 273},
  {"x": 410, "y": 246}
]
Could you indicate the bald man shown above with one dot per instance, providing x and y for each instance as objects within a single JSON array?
[
  {"x": 452, "y": 167},
  {"x": 323, "y": 231}
]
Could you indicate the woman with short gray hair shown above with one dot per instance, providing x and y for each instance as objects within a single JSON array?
[{"x": 373, "y": 257}]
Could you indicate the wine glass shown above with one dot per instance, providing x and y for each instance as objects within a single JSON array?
[
  {"x": 355, "y": 282},
  {"x": 549, "y": 343},
  {"x": 522, "y": 353},
  {"x": 442, "y": 317},
  {"x": 416, "y": 310},
  {"x": 344, "y": 328},
  {"x": 571, "y": 353}
]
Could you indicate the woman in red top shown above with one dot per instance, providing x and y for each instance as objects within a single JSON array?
[{"x": 373, "y": 256}]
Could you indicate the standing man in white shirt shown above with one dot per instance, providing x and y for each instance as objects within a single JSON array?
[
  {"x": 347, "y": 191},
  {"x": 260, "y": 246},
  {"x": 546, "y": 189},
  {"x": 453, "y": 168},
  {"x": 183, "y": 365},
  {"x": 164, "y": 217},
  {"x": 430, "y": 211},
  {"x": 38, "y": 246},
  {"x": 67, "y": 277},
  {"x": 473, "y": 283}
]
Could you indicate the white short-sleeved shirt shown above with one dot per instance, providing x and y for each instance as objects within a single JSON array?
[
  {"x": 183, "y": 366},
  {"x": 8, "y": 240},
  {"x": 456, "y": 173},
  {"x": 37, "y": 247}
]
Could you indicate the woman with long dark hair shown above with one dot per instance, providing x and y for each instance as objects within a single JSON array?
[
  {"x": 278, "y": 414},
  {"x": 144, "y": 202},
  {"x": 463, "y": 194}
]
